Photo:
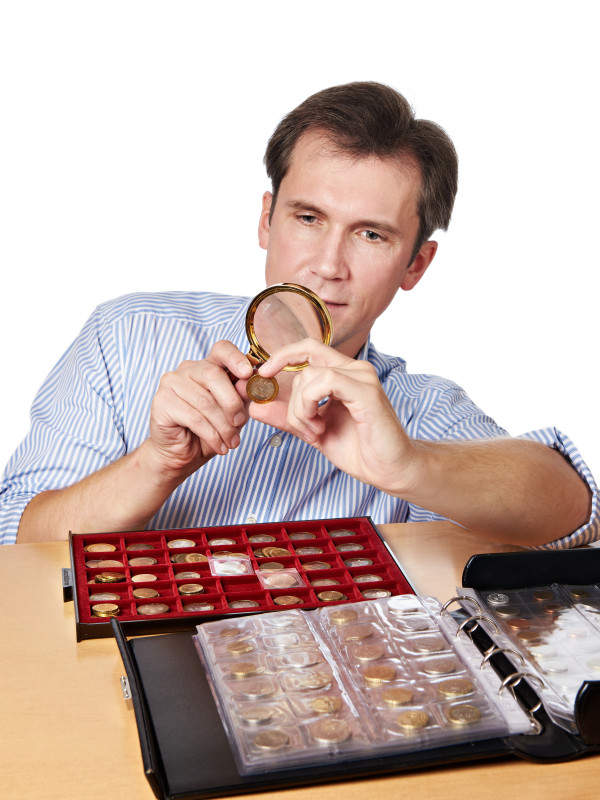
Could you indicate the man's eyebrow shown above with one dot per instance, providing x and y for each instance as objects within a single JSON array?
[{"x": 310, "y": 208}]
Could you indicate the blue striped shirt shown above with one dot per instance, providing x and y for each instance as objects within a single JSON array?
[{"x": 95, "y": 407}]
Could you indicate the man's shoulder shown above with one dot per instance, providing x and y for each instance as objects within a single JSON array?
[
  {"x": 207, "y": 308},
  {"x": 393, "y": 374}
]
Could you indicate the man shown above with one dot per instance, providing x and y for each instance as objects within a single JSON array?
[{"x": 146, "y": 421}]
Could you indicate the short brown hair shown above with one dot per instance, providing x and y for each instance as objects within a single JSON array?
[{"x": 366, "y": 119}]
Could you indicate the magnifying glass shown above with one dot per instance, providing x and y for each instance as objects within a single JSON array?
[{"x": 282, "y": 314}]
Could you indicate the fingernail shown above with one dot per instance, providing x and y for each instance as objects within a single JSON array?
[{"x": 239, "y": 419}]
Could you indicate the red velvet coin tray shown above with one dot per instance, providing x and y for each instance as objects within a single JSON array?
[{"x": 356, "y": 574}]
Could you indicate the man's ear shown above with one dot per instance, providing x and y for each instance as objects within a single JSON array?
[
  {"x": 263, "y": 223},
  {"x": 419, "y": 266}
]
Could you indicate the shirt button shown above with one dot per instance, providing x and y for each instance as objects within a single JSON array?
[
  {"x": 251, "y": 521},
  {"x": 275, "y": 441}
]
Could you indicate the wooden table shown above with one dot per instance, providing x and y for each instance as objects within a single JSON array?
[{"x": 67, "y": 732}]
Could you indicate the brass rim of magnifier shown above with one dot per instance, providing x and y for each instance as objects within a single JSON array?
[{"x": 257, "y": 350}]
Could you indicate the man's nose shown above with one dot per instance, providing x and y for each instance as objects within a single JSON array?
[{"x": 331, "y": 259}]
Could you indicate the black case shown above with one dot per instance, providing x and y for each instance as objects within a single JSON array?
[{"x": 185, "y": 751}]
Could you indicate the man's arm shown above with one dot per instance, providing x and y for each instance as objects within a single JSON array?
[
  {"x": 197, "y": 413},
  {"x": 510, "y": 490}
]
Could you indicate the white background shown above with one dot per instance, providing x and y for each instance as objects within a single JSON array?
[{"x": 131, "y": 143}]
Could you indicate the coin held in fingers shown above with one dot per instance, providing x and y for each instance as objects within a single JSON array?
[{"x": 262, "y": 390}]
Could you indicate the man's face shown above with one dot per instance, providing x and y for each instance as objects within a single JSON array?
[{"x": 345, "y": 228}]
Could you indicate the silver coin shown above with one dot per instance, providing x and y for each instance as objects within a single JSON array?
[
  {"x": 358, "y": 562},
  {"x": 330, "y": 731},
  {"x": 198, "y": 607},
  {"x": 305, "y": 659},
  {"x": 104, "y": 597},
  {"x": 150, "y": 609},
  {"x": 497, "y": 599},
  {"x": 175, "y": 543},
  {"x": 257, "y": 538},
  {"x": 349, "y": 546},
  {"x": 220, "y": 542},
  {"x": 302, "y": 535},
  {"x": 367, "y": 578},
  {"x": 308, "y": 551},
  {"x": 341, "y": 532},
  {"x": 140, "y": 546},
  {"x": 243, "y": 604}
]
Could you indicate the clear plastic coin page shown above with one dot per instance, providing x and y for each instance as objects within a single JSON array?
[
  {"x": 552, "y": 633},
  {"x": 298, "y": 688}
]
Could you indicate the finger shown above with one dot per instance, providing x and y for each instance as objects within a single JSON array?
[
  {"x": 307, "y": 351},
  {"x": 225, "y": 354}
]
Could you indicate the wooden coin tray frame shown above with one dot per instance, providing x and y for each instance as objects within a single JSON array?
[{"x": 79, "y": 582}]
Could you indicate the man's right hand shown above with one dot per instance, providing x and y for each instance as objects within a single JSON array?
[{"x": 199, "y": 410}]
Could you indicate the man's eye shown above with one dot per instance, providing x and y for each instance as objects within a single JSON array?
[
  {"x": 371, "y": 236},
  {"x": 308, "y": 219}
]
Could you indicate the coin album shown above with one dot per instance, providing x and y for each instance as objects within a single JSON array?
[
  {"x": 168, "y": 580},
  {"x": 507, "y": 667}
]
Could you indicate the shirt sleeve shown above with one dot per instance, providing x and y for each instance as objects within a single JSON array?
[
  {"x": 449, "y": 414},
  {"x": 75, "y": 426}
]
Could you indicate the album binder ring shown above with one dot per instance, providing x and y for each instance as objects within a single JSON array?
[
  {"x": 474, "y": 618},
  {"x": 493, "y": 650},
  {"x": 458, "y": 599}
]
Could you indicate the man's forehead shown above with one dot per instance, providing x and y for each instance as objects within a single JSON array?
[{"x": 319, "y": 144}]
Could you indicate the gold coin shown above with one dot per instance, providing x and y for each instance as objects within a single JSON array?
[
  {"x": 576, "y": 592},
  {"x": 464, "y": 714},
  {"x": 342, "y": 616},
  {"x": 228, "y": 554},
  {"x": 552, "y": 608},
  {"x": 140, "y": 546},
  {"x": 543, "y": 594},
  {"x": 257, "y": 715},
  {"x": 269, "y": 566},
  {"x": 100, "y": 547},
  {"x": 412, "y": 720},
  {"x": 244, "y": 669},
  {"x": 143, "y": 577},
  {"x": 529, "y": 637},
  {"x": 141, "y": 561},
  {"x": 109, "y": 563},
  {"x": 149, "y": 609},
  {"x": 428, "y": 644},
  {"x": 272, "y": 739},
  {"x": 276, "y": 552},
  {"x": 330, "y": 731},
  {"x": 376, "y": 594},
  {"x": 109, "y": 577},
  {"x": 188, "y": 575},
  {"x": 105, "y": 610},
  {"x": 379, "y": 673},
  {"x": 279, "y": 580},
  {"x": 331, "y": 597},
  {"x": 244, "y": 604},
  {"x": 316, "y": 565},
  {"x": 506, "y": 611},
  {"x": 190, "y": 588},
  {"x": 367, "y": 578},
  {"x": 357, "y": 632},
  {"x": 174, "y": 543},
  {"x": 179, "y": 558},
  {"x": 104, "y": 597},
  {"x": 230, "y": 630},
  {"x": 326, "y": 704},
  {"x": 325, "y": 582},
  {"x": 258, "y": 687},
  {"x": 287, "y": 600},
  {"x": 195, "y": 558},
  {"x": 369, "y": 652},
  {"x": 309, "y": 551},
  {"x": 313, "y": 680},
  {"x": 397, "y": 696},
  {"x": 454, "y": 687},
  {"x": 517, "y": 623},
  {"x": 262, "y": 390},
  {"x": 238, "y": 648},
  {"x": 144, "y": 593}
]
